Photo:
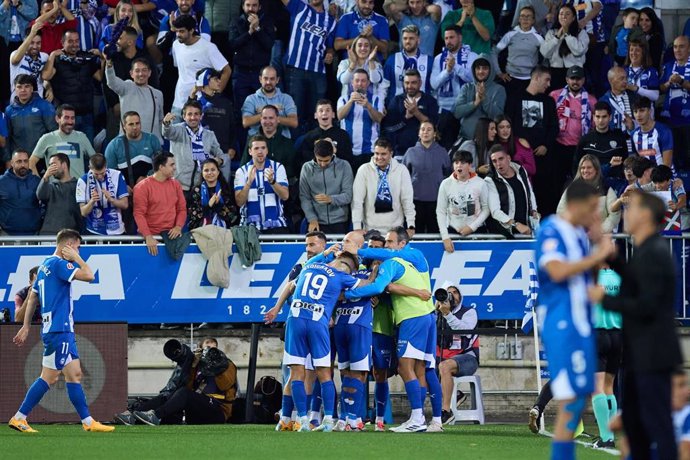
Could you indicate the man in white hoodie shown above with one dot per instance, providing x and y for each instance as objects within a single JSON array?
[
  {"x": 382, "y": 195},
  {"x": 463, "y": 201}
]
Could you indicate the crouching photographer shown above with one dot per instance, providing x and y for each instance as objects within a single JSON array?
[
  {"x": 202, "y": 388},
  {"x": 459, "y": 353}
]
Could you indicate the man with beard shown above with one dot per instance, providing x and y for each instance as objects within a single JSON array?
[
  {"x": 65, "y": 140},
  {"x": 269, "y": 94},
  {"x": 59, "y": 197},
  {"x": 29, "y": 59},
  {"x": 52, "y": 30},
  {"x": 20, "y": 213},
  {"x": 362, "y": 20},
  {"x": 409, "y": 58}
]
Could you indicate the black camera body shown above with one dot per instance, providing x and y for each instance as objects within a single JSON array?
[
  {"x": 213, "y": 362},
  {"x": 176, "y": 351},
  {"x": 443, "y": 296}
]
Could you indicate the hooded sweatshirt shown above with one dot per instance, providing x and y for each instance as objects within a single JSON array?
[
  {"x": 335, "y": 181},
  {"x": 428, "y": 167},
  {"x": 26, "y": 123},
  {"x": 20, "y": 213},
  {"x": 62, "y": 210},
  {"x": 492, "y": 106},
  {"x": 364, "y": 198},
  {"x": 462, "y": 203}
]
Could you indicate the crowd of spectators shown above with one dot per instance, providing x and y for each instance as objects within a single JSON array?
[{"x": 450, "y": 117}]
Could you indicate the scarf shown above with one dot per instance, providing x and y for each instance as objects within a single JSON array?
[
  {"x": 384, "y": 199},
  {"x": 410, "y": 62},
  {"x": 198, "y": 153},
  {"x": 685, "y": 75},
  {"x": 563, "y": 110},
  {"x": 621, "y": 108},
  {"x": 211, "y": 217},
  {"x": 446, "y": 89},
  {"x": 634, "y": 75},
  {"x": 104, "y": 216}
]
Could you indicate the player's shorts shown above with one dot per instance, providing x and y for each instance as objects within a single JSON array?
[
  {"x": 382, "y": 350},
  {"x": 609, "y": 350},
  {"x": 571, "y": 358},
  {"x": 59, "y": 349},
  {"x": 417, "y": 339},
  {"x": 304, "y": 337},
  {"x": 354, "y": 347}
]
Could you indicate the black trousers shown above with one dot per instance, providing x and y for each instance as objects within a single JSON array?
[
  {"x": 647, "y": 415},
  {"x": 199, "y": 409},
  {"x": 449, "y": 128},
  {"x": 425, "y": 218}
]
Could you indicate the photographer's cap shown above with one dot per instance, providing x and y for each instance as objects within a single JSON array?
[{"x": 205, "y": 76}]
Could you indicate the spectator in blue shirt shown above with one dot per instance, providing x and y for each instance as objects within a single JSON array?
[
  {"x": 185, "y": 7},
  {"x": 124, "y": 9},
  {"x": 20, "y": 213},
  {"x": 362, "y": 21},
  {"x": 269, "y": 94},
  {"x": 14, "y": 19},
  {"x": 418, "y": 13}
]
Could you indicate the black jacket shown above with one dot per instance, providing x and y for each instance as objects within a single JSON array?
[
  {"x": 404, "y": 132},
  {"x": 646, "y": 297},
  {"x": 534, "y": 118},
  {"x": 336, "y": 134},
  {"x": 604, "y": 146},
  {"x": 252, "y": 51}
]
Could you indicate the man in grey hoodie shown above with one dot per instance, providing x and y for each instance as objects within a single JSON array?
[
  {"x": 481, "y": 98},
  {"x": 325, "y": 190},
  {"x": 59, "y": 196}
]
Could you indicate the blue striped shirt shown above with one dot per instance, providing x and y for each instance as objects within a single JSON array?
[
  {"x": 358, "y": 123},
  {"x": 394, "y": 72},
  {"x": 263, "y": 208},
  {"x": 311, "y": 33}
]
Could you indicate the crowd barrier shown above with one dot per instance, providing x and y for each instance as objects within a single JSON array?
[{"x": 132, "y": 286}]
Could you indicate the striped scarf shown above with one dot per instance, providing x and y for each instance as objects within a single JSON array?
[
  {"x": 563, "y": 110},
  {"x": 446, "y": 90}
]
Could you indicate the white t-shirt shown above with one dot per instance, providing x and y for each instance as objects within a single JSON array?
[
  {"x": 29, "y": 67},
  {"x": 189, "y": 60}
]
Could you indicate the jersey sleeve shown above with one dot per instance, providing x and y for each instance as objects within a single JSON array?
[
  {"x": 80, "y": 194},
  {"x": 685, "y": 431},
  {"x": 389, "y": 271},
  {"x": 665, "y": 139},
  {"x": 653, "y": 81},
  {"x": 349, "y": 281},
  {"x": 550, "y": 247},
  {"x": 121, "y": 187},
  {"x": 65, "y": 270},
  {"x": 240, "y": 178}
]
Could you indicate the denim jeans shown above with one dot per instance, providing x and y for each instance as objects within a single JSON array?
[
  {"x": 84, "y": 123},
  {"x": 306, "y": 88}
]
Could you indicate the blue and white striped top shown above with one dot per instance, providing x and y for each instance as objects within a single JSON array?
[
  {"x": 358, "y": 123},
  {"x": 312, "y": 32}
]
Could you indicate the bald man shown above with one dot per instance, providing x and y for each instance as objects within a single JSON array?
[
  {"x": 675, "y": 83},
  {"x": 621, "y": 100}
]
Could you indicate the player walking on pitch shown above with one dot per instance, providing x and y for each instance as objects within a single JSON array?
[
  {"x": 53, "y": 287},
  {"x": 564, "y": 262}
]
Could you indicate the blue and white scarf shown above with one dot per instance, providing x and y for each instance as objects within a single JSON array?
[
  {"x": 211, "y": 217},
  {"x": 563, "y": 103},
  {"x": 103, "y": 215},
  {"x": 446, "y": 90},
  {"x": 198, "y": 153},
  {"x": 410, "y": 62},
  {"x": 384, "y": 199}
]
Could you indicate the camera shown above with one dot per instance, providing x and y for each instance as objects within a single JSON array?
[
  {"x": 443, "y": 296},
  {"x": 5, "y": 315},
  {"x": 174, "y": 350},
  {"x": 212, "y": 362}
]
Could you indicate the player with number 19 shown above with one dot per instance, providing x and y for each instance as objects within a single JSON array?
[
  {"x": 306, "y": 332},
  {"x": 53, "y": 288}
]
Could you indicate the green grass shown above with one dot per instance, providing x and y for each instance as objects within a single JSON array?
[{"x": 511, "y": 442}]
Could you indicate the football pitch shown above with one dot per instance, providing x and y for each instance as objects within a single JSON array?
[{"x": 512, "y": 442}]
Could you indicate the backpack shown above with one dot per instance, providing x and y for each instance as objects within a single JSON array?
[{"x": 268, "y": 398}]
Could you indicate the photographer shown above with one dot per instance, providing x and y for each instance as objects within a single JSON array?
[
  {"x": 459, "y": 354},
  {"x": 202, "y": 387}
]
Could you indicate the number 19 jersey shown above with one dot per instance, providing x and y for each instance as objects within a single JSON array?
[
  {"x": 54, "y": 288},
  {"x": 317, "y": 291}
]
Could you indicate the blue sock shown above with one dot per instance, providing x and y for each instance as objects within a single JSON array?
[
  {"x": 316, "y": 399},
  {"x": 381, "y": 393},
  {"x": 342, "y": 413},
  {"x": 78, "y": 398},
  {"x": 358, "y": 396},
  {"x": 310, "y": 398},
  {"x": 299, "y": 396},
  {"x": 563, "y": 450},
  {"x": 422, "y": 395},
  {"x": 288, "y": 406},
  {"x": 345, "y": 399},
  {"x": 34, "y": 395},
  {"x": 414, "y": 392},
  {"x": 328, "y": 395},
  {"x": 435, "y": 392}
]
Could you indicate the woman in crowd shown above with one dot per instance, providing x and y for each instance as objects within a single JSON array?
[
  {"x": 589, "y": 170},
  {"x": 565, "y": 45},
  {"x": 484, "y": 138},
  {"x": 124, "y": 9},
  {"x": 428, "y": 164},
  {"x": 360, "y": 55},
  {"x": 653, "y": 31},
  {"x": 643, "y": 78},
  {"x": 518, "y": 148},
  {"x": 213, "y": 202}
]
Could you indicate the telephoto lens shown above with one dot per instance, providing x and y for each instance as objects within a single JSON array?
[
  {"x": 172, "y": 349},
  {"x": 441, "y": 295}
]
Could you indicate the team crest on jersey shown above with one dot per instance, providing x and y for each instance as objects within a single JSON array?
[
  {"x": 422, "y": 68},
  {"x": 70, "y": 265},
  {"x": 613, "y": 144}
]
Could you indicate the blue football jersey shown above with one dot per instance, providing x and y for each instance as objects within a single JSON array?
[
  {"x": 563, "y": 304},
  {"x": 54, "y": 288},
  {"x": 317, "y": 291},
  {"x": 356, "y": 311}
]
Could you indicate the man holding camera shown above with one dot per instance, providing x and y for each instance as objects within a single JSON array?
[
  {"x": 202, "y": 386},
  {"x": 459, "y": 353}
]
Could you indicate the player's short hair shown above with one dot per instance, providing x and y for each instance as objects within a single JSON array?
[
  {"x": 317, "y": 234},
  {"x": 185, "y": 21},
  {"x": 661, "y": 173},
  {"x": 384, "y": 143},
  {"x": 463, "y": 156},
  {"x": 376, "y": 237},
  {"x": 160, "y": 159},
  {"x": 371, "y": 233},
  {"x": 351, "y": 257},
  {"x": 323, "y": 148},
  {"x": 62, "y": 108},
  {"x": 401, "y": 233},
  {"x": 641, "y": 165},
  {"x": 642, "y": 103},
  {"x": 654, "y": 204},
  {"x": 97, "y": 162},
  {"x": 33, "y": 271},
  {"x": 66, "y": 235},
  {"x": 62, "y": 158},
  {"x": 602, "y": 105},
  {"x": 580, "y": 190}
]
